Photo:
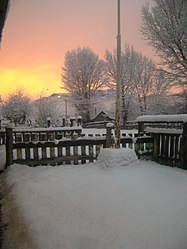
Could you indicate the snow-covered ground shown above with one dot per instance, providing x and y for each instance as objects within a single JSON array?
[{"x": 137, "y": 205}]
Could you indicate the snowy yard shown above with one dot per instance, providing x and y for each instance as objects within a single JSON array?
[{"x": 140, "y": 206}]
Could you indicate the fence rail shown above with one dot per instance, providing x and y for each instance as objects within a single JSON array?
[
  {"x": 39, "y": 134},
  {"x": 170, "y": 141},
  {"x": 52, "y": 153},
  {"x": 67, "y": 151},
  {"x": 168, "y": 149},
  {"x": 165, "y": 148}
]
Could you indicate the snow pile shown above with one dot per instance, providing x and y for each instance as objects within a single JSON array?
[{"x": 111, "y": 158}]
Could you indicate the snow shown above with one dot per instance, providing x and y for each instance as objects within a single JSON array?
[
  {"x": 163, "y": 118},
  {"x": 163, "y": 130},
  {"x": 110, "y": 158},
  {"x": 110, "y": 125},
  {"x": 29, "y": 129},
  {"x": 140, "y": 206},
  {"x": 103, "y": 131}
]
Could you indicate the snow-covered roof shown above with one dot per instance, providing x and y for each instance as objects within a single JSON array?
[
  {"x": 102, "y": 114},
  {"x": 163, "y": 118}
]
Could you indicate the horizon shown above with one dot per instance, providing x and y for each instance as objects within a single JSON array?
[{"x": 32, "y": 50}]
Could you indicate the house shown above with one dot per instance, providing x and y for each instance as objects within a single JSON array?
[{"x": 102, "y": 116}]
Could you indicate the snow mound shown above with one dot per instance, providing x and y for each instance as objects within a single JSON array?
[{"x": 111, "y": 158}]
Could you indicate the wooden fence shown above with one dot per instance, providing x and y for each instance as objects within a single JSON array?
[
  {"x": 63, "y": 152},
  {"x": 167, "y": 148},
  {"x": 39, "y": 134},
  {"x": 80, "y": 150},
  {"x": 170, "y": 141}
]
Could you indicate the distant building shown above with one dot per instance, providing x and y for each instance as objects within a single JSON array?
[
  {"x": 102, "y": 116},
  {"x": 4, "y": 5}
]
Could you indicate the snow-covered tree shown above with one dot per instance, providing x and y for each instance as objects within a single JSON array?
[
  {"x": 83, "y": 76},
  {"x": 46, "y": 108},
  {"x": 144, "y": 70},
  {"x": 158, "y": 101},
  {"x": 161, "y": 83},
  {"x": 17, "y": 107},
  {"x": 127, "y": 83},
  {"x": 137, "y": 76},
  {"x": 164, "y": 26}
]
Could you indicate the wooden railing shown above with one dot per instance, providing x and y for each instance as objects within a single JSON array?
[
  {"x": 44, "y": 134},
  {"x": 170, "y": 141},
  {"x": 83, "y": 149},
  {"x": 166, "y": 148},
  {"x": 54, "y": 153},
  {"x": 40, "y": 134}
]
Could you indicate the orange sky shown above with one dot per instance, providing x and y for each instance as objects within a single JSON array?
[{"x": 38, "y": 33}]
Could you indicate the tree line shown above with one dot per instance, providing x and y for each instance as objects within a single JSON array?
[
  {"x": 84, "y": 73},
  {"x": 164, "y": 26}
]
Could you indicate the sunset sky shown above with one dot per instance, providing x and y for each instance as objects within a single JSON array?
[{"x": 38, "y": 33}]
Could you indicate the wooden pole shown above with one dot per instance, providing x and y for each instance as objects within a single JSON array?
[
  {"x": 118, "y": 85},
  {"x": 109, "y": 128},
  {"x": 9, "y": 146},
  {"x": 184, "y": 147}
]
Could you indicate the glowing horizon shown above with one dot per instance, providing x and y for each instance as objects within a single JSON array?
[
  {"x": 33, "y": 81},
  {"x": 35, "y": 40}
]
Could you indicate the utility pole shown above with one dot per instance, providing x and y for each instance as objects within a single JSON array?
[{"x": 118, "y": 85}]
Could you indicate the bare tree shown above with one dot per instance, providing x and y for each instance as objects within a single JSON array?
[
  {"x": 144, "y": 69},
  {"x": 83, "y": 76},
  {"x": 158, "y": 101},
  {"x": 17, "y": 107},
  {"x": 164, "y": 26},
  {"x": 127, "y": 83},
  {"x": 137, "y": 77}
]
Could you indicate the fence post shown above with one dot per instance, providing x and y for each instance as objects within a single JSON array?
[
  {"x": 63, "y": 122},
  {"x": 9, "y": 146},
  {"x": 184, "y": 147},
  {"x": 48, "y": 121},
  {"x": 72, "y": 121},
  {"x": 109, "y": 128},
  {"x": 79, "y": 121},
  {"x": 155, "y": 146},
  {"x": 140, "y": 128}
]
